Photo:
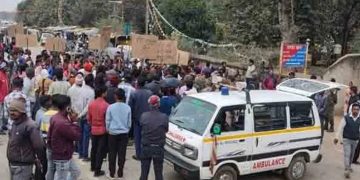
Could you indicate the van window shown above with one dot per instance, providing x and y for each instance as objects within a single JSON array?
[
  {"x": 270, "y": 117},
  {"x": 301, "y": 115},
  {"x": 193, "y": 115},
  {"x": 232, "y": 119}
]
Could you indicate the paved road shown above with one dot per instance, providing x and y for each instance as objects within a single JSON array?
[{"x": 331, "y": 168}]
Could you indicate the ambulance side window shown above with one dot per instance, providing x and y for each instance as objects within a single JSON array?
[
  {"x": 232, "y": 119},
  {"x": 269, "y": 117},
  {"x": 301, "y": 114}
]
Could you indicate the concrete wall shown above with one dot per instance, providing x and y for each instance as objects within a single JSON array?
[{"x": 344, "y": 70}]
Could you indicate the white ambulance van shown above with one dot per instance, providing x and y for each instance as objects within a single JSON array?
[{"x": 221, "y": 135}]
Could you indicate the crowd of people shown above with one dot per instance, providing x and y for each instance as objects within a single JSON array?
[{"x": 53, "y": 106}]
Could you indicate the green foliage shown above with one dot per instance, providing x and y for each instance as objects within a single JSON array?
[
  {"x": 253, "y": 22},
  {"x": 355, "y": 43},
  {"x": 134, "y": 11},
  {"x": 190, "y": 17},
  {"x": 43, "y": 13},
  {"x": 38, "y": 12},
  {"x": 86, "y": 12},
  {"x": 21, "y": 8},
  {"x": 328, "y": 21},
  {"x": 308, "y": 20}
]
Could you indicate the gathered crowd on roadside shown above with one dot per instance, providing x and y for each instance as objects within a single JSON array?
[{"x": 54, "y": 106}]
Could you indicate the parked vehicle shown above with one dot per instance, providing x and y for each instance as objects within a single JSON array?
[{"x": 247, "y": 132}]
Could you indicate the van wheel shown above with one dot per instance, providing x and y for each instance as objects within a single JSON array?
[
  {"x": 296, "y": 169},
  {"x": 225, "y": 173}
]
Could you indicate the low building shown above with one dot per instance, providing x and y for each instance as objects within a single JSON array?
[{"x": 344, "y": 70}]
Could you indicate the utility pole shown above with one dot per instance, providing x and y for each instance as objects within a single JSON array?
[
  {"x": 116, "y": 4},
  {"x": 122, "y": 13},
  {"x": 147, "y": 17},
  {"x": 292, "y": 12},
  {"x": 60, "y": 12}
]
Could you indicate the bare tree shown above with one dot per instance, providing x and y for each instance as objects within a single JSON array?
[
  {"x": 286, "y": 21},
  {"x": 60, "y": 12}
]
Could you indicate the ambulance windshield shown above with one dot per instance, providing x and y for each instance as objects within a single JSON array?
[{"x": 193, "y": 115}]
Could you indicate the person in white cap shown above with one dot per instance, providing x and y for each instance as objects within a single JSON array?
[
  {"x": 75, "y": 94},
  {"x": 29, "y": 89},
  {"x": 88, "y": 94},
  {"x": 78, "y": 94}
]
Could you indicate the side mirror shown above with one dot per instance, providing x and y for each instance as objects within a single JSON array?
[{"x": 216, "y": 130}]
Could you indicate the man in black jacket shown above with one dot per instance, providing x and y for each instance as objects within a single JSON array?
[
  {"x": 154, "y": 126},
  {"x": 25, "y": 146},
  {"x": 139, "y": 105},
  {"x": 349, "y": 133}
]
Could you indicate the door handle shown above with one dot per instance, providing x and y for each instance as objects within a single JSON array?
[
  {"x": 242, "y": 140},
  {"x": 257, "y": 142}
]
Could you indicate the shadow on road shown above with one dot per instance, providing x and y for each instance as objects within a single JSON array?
[{"x": 270, "y": 175}]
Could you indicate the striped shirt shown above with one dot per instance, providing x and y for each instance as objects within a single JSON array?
[{"x": 16, "y": 94}]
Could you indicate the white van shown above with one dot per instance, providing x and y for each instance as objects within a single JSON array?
[{"x": 254, "y": 131}]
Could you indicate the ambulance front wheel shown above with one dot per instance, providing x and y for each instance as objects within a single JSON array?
[
  {"x": 225, "y": 173},
  {"x": 296, "y": 169}
]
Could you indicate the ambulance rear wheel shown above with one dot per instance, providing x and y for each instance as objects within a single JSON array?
[
  {"x": 225, "y": 173},
  {"x": 296, "y": 169}
]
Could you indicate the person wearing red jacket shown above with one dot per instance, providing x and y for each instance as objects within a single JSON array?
[
  {"x": 4, "y": 89},
  {"x": 96, "y": 117},
  {"x": 270, "y": 81},
  {"x": 62, "y": 134}
]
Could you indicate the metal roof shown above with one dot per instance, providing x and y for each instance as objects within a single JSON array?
[{"x": 256, "y": 96}]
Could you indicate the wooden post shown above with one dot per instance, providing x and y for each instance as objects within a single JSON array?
[
  {"x": 147, "y": 17},
  {"x": 306, "y": 58},
  {"x": 27, "y": 39},
  {"x": 280, "y": 59}
]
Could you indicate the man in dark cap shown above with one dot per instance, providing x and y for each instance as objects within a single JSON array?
[
  {"x": 25, "y": 145},
  {"x": 154, "y": 85}
]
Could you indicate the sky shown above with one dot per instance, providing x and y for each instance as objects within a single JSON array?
[{"x": 8, "y": 5}]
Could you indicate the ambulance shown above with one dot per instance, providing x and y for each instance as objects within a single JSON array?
[{"x": 222, "y": 135}]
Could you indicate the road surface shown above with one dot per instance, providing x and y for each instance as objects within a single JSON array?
[{"x": 331, "y": 167}]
